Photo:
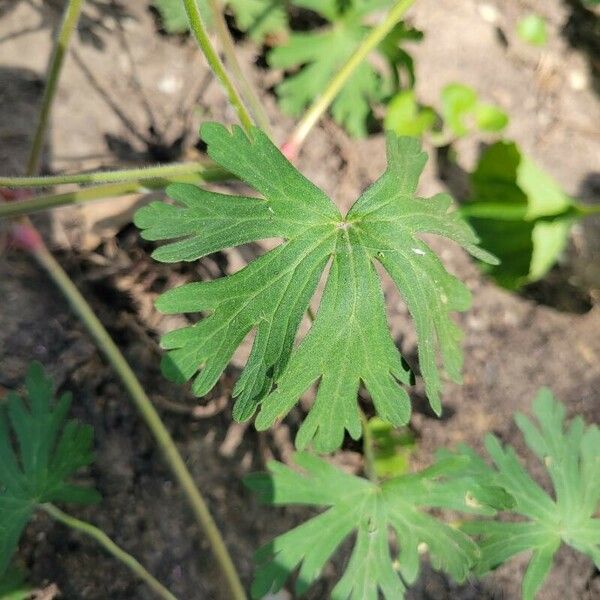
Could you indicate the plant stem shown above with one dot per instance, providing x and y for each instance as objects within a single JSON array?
[
  {"x": 201, "y": 35},
  {"x": 368, "y": 452},
  {"x": 160, "y": 172},
  {"x": 45, "y": 202},
  {"x": 109, "y": 190},
  {"x": 587, "y": 210},
  {"x": 146, "y": 409},
  {"x": 316, "y": 111},
  {"x": 229, "y": 51},
  {"x": 69, "y": 22},
  {"x": 99, "y": 536}
]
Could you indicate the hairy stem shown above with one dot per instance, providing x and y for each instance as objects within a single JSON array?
[
  {"x": 146, "y": 409},
  {"x": 160, "y": 172},
  {"x": 322, "y": 103},
  {"x": 368, "y": 450},
  {"x": 99, "y": 536},
  {"x": 69, "y": 22},
  {"x": 229, "y": 51},
  {"x": 201, "y": 35}
]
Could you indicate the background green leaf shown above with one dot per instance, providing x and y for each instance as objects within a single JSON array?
[
  {"x": 318, "y": 55},
  {"x": 404, "y": 116},
  {"x": 571, "y": 455},
  {"x": 462, "y": 111},
  {"x": 49, "y": 450},
  {"x": 13, "y": 585},
  {"x": 520, "y": 214},
  {"x": 371, "y": 511},
  {"x": 532, "y": 29},
  {"x": 257, "y": 18}
]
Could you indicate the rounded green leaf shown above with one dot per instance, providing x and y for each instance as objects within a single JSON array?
[{"x": 532, "y": 29}]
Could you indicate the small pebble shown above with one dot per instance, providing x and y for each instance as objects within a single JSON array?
[
  {"x": 169, "y": 84},
  {"x": 578, "y": 80},
  {"x": 489, "y": 13}
]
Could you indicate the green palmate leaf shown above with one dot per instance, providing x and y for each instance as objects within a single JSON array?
[
  {"x": 371, "y": 511},
  {"x": 349, "y": 342},
  {"x": 320, "y": 54},
  {"x": 571, "y": 455},
  {"x": 520, "y": 214},
  {"x": 50, "y": 450}
]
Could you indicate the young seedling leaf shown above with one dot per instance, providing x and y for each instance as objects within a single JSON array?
[
  {"x": 520, "y": 213},
  {"x": 532, "y": 29},
  {"x": 405, "y": 116},
  {"x": 463, "y": 112},
  {"x": 318, "y": 55},
  {"x": 349, "y": 342},
  {"x": 571, "y": 455},
  {"x": 39, "y": 451},
  {"x": 371, "y": 511}
]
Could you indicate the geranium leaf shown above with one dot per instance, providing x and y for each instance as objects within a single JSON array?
[
  {"x": 571, "y": 455},
  {"x": 48, "y": 451},
  {"x": 320, "y": 54},
  {"x": 349, "y": 342},
  {"x": 372, "y": 511}
]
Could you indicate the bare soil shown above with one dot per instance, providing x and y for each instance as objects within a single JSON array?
[{"x": 132, "y": 96}]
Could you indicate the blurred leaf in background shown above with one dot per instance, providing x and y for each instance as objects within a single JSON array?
[
  {"x": 532, "y": 29},
  {"x": 173, "y": 16},
  {"x": 393, "y": 447},
  {"x": 38, "y": 457},
  {"x": 405, "y": 116},
  {"x": 520, "y": 214},
  {"x": 316, "y": 56},
  {"x": 13, "y": 585},
  {"x": 463, "y": 112},
  {"x": 257, "y": 18},
  {"x": 570, "y": 454}
]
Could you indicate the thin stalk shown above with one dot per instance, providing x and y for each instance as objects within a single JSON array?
[
  {"x": 165, "y": 172},
  {"x": 228, "y": 47},
  {"x": 322, "y": 103},
  {"x": 68, "y": 25},
  {"x": 109, "y": 190},
  {"x": 99, "y": 536},
  {"x": 40, "y": 203},
  {"x": 146, "y": 409},
  {"x": 368, "y": 450},
  {"x": 587, "y": 210},
  {"x": 215, "y": 63}
]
